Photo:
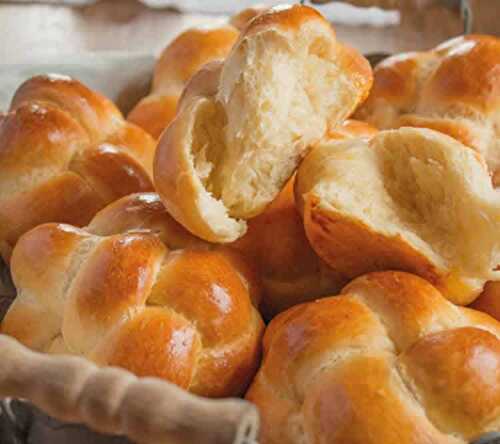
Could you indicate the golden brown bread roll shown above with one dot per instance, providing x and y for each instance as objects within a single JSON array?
[
  {"x": 454, "y": 88},
  {"x": 388, "y": 361},
  {"x": 125, "y": 300},
  {"x": 236, "y": 142},
  {"x": 410, "y": 199},
  {"x": 65, "y": 152},
  {"x": 178, "y": 62}
]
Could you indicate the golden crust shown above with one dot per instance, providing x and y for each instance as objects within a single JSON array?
[
  {"x": 383, "y": 205},
  {"x": 453, "y": 88},
  {"x": 66, "y": 152},
  {"x": 154, "y": 113},
  {"x": 185, "y": 316},
  {"x": 389, "y": 359}
]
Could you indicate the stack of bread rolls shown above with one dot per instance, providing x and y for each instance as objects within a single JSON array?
[{"x": 359, "y": 240}]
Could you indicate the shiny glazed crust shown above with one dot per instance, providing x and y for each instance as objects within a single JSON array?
[
  {"x": 388, "y": 361},
  {"x": 124, "y": 300},
  {"x": 65, "y": 153}
]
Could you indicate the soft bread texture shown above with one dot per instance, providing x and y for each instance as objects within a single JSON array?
[
  {"x": 124, "y": 300},
  {"x": 236, "y": 142},
  {"x": 410, "y": 199},
  {"x": 65, "y": 153},
  {"x": 291, "y": 271},
  {"x": 388, "y": 361},
  {"x": 454, "y": 88},
  {"x": 185, "y": 55}
]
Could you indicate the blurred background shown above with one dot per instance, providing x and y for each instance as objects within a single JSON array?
[{"x": 64, "y": 27}]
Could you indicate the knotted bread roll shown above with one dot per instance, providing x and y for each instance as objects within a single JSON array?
[
  {"x": 388, "y": 361},
  {"x": 125, "y": 300},
  {"x": 454, "y": 88},
  {"x": 65, "y": 152},
  {"x": 410, "y": 199},
  {"x": 243, "y": 125}
]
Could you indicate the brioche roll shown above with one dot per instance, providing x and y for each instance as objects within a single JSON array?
[
  {"x": 388, "y": 361},
  {"x": 65, "y": 153},
  {"x": 124, "y": 300},
  {"x": 410, "y": 199},
  {"x": 236, "y": 142}
]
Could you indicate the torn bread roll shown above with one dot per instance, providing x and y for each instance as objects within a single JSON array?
[
  {"x": 389, "y": 360},
  {"x": 454, "y": 88},
  {"x": 409, "y": 199},
  {"x": 236, "y": 142}
]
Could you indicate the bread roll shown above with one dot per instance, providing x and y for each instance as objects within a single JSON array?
[
  {"x": 236, "y": 142},
  {"x": 65, "y": 153},
  {"x": 454, "y": 88},
  {"x": 124, "y": 300},
  {"x": 388, "y": 361},
  {"x": 410, "y": 199}
]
